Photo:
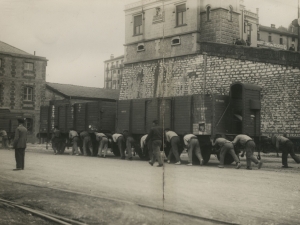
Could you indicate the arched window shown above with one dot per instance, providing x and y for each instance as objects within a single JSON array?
[
  {"x": 208, "y": 13},
  {"x": 230, "y": 11},
  {"x": 140, "y": 47}
]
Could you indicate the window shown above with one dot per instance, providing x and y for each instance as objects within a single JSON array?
[
  {"x": 28, "y": 93},
  {"x": 249, "y": 32},
  {"x": 29, "y": 66},
  {"x": 176, "y": 41},
  {"x": 180, "y": 14},
  {"x": 138, "y": 25},
  {"x": 270, "y": 38},
  {"x": 230, "y": 13},
  {"x": 293, "y": 39},
  {"x": 117, "y": 63},
  {"x": 140, "y": 47},
  {"x": 258, "y": 36},
  {"x": 208, "y": 13},
  {"x": 0, "y": 62},
  {"x": 245, "y": 26},
  {"x": 281, "y": 41}
]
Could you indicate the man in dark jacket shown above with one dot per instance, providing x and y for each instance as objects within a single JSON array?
[
  {"x": 155, "y": 136},
  {"x": 20, "y": 145}
]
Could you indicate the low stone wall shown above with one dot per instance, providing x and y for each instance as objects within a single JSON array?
[{"x": 185, "y": 76}]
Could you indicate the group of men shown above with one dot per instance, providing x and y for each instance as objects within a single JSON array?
[{"x": 153, "y": 142}]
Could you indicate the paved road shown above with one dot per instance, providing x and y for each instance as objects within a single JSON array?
[{"x": 267, "y": 196}]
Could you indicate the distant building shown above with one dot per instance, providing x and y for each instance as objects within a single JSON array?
[
  {"x": 77, "y": 94},
  {"x": 22, "y": 85},
  {"x": 113, "y": 71},
  {"x": 277, "y": 38}
]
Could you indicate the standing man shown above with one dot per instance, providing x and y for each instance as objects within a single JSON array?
[
  {"x": 155, "y": 136},
  {"x": 248, "y": 145},
  {"x": 119, "y": 140},
  {"x": 55, "y": 140},
  {"x": 225, "y": 146},
  {"x": 192, "y": 144},
  {"x": 20, "y": 145},
  {"x": 103, "y": 144},
  {"x": 174, "y": 140},
  {"x": 3, "y": 134},
  {"x": 287, "y": 147},
  {"x": 73, "y": 136},
  {"x": 87, "y": 143}
]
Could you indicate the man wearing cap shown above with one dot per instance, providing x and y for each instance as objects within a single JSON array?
[
  {"x": 248, "y": 145},
  {"x": 103, "y": 144},
  {"x": 286, "y": 146},
  {"x": 155, "y": 136},
  {"x": 73, "y": 136},
  {"x": 192, "y": 144},
  {"x": 174, "y": 140},
  {"x": 225, "y": 146},
  {"x": 119, "y": 140},
  {"x": 20, "y": 145}
]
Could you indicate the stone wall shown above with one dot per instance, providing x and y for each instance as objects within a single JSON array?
[
  {"x": 13, "y": 79},
  {"x": 219, "y": 29},
  {"x": 184, "y": 76}
]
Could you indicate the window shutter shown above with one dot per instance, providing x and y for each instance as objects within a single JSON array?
[
  {"x": 138, "y": 20},
  {"x": 181, "y": 8}
]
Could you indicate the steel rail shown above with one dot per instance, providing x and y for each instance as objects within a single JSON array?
[
  {"x": 48, "y": 216},
  {"x": 132, "y": 203}
]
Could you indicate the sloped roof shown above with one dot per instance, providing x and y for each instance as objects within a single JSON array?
[
  {"x": 279, "y": 30},
  {"x": 74, "y": 91},
  {"x": 10, "y": 49}
]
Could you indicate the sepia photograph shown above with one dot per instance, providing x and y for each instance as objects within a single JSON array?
[{"x": 149, "y": 112}]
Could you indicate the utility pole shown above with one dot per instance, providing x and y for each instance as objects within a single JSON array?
[{"x": 298, "y": 46}]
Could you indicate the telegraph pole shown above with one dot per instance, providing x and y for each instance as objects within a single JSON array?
[{"x": 298, "y": 20}]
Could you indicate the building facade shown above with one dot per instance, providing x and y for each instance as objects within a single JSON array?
[
  {"x": 278, "y": 38},
  {"x": 113, "y": 71},
  {"x": 22, "y": 85}
]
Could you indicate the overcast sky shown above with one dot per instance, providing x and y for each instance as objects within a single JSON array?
[{"x": 76, "y": 36}]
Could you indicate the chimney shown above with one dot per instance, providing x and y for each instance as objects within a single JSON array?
[
  {"x": 273, "y": 26},
  {"x": 111, "y": 56}
]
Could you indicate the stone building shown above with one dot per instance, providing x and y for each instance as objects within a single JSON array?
[
  {"x": 176, "y": 48},
  {"x": 113, "y": 71},
  {"x": 277, "y": 38},
  {"x": 22, "y": 85}
]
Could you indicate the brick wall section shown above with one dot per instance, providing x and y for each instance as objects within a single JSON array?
[
  {"x": 13, "y": 79},
  {"x": 219, "y": 29},
  {"x": 184, "y": 76}
]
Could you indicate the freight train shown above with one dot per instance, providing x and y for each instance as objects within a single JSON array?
[{"x": 201, "y": 114}]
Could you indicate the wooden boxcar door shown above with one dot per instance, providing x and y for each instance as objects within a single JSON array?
[
  {"x": 138, "y": 116},
  {"x": 182, "y": 116},
  {"x": 151, "y": 113}
]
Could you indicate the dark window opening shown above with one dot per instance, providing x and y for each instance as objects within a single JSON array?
[
  {"x": 181, "y": 14},
  {"x": 176, "y": 41},
  {"x": 141, "y": 47},
  {"x": 230, "y": 12},
  {"x": 281, "y": 41},
  {"x": 208, "y": 13},
  {"x": 138, "y": 24},
  {"x": 0, "y": 62},
  {"x": 270, "y": 38}
]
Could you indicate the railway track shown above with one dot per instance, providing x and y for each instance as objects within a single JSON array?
[{"x": 63, "y": 220}]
